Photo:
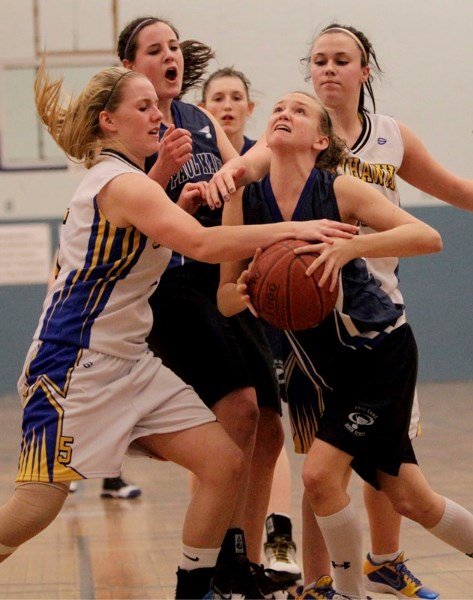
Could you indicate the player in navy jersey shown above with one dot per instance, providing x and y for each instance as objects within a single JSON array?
[
  {"x": 363, "y": 357},
  {"x": 90, "y": 389},
  {"x": 340, "y": 66},
  {"x": 234, "y": 375},
  {"x": 226, "y": 95}
]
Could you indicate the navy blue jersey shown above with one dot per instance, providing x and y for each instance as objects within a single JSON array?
[
  {"x": 204, "y": 162},
  {"x": 365, "y": 312},
  {"x": 247, "y": 144}
]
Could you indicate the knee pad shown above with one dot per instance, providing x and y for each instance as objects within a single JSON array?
[{"x": 31, "y": 509}]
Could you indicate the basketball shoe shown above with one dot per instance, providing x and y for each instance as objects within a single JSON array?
[
  {"x": 280, "y": 550},
  {"x": 236, "y": 577},
  {"x": 193, "y": 584},
  {"x": 115, "y": 487},
  {"x": 322, "y": 589},
  {"x": 393, "y": 577}
]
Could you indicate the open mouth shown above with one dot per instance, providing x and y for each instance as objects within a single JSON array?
[
  {"x": 282, "y": 127},
  {"x": 171, "y": 74}
]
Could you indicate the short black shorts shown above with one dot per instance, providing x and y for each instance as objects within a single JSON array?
[
  {"x": 367, "y": 396},
  {"x": 214, "y": 354}
]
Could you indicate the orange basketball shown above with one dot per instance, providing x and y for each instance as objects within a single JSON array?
[{"x": 283, "y": 294}]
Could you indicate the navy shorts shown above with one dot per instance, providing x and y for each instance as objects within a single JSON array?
[
  {"x": 367, "y": 396},
  {"x": 214, "y": 354}
]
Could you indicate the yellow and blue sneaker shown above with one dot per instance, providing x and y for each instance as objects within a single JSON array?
[
  {"x": 321, "y": 589},
  {"x": 393, "y": 577}
]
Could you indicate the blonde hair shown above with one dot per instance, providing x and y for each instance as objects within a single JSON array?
[{"x": 75, "y": 126}]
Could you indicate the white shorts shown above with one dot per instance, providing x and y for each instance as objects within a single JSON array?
[{"x": 83, "y": 410}]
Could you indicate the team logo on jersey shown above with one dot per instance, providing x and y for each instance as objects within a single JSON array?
[
  {"x": 206, "y": 131},
  {"x": 359, "y": 421},
  {"x": 382, "y": 141}
]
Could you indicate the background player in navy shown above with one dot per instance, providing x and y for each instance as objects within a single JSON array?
[{"x": 226, "y": 95}]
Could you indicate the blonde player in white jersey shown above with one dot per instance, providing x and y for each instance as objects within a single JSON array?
[
  {"x": 380, "y": 150},
  {"x": 90, "y": 389}
]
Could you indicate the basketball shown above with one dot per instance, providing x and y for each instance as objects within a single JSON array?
[{"x": 283, "y": 294}]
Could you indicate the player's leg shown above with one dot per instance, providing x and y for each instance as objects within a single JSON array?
[
  {"x": 384, "y": 567},
  {"x": 324, "y": 476},
  {"x": 269, "y": 441},
  {"x": 217, "y": 463},
  {"x": 385, "y": 563},
  {"x": 31, "y": 509},
  {"x": 238, "y": 414},
  {"x": 412, "y": 496}
]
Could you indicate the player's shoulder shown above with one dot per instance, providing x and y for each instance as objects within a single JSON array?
[{"x": 190, "y": 114}]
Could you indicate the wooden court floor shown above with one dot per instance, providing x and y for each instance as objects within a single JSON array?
[{"x": 121, "y": 549}]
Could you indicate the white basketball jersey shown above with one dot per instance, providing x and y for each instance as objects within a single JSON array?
[
  {"x": 107, "y": 273},
  {"x": 376, "y": 158}
]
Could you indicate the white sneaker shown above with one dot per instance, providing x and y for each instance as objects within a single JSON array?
[{"x": 281, "y": 559}]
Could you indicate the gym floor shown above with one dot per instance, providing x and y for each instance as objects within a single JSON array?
[{"x": 111, "y": 549}]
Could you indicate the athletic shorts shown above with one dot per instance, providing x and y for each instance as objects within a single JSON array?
[
  {"x": 214, "y": 354},
  {"x": 82, "y": 411},
  {"x": 366, "y": 396},
  {"x": 306, "y": 405}
]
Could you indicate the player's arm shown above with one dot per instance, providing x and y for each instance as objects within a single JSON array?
[
  {"x": 420, "y": 169},
  {"x": 239, "y": 171},
  {"x": 134, "y": 199},
  {"x": 229, "y": 300},
  {"x": 398, "y": 233}
]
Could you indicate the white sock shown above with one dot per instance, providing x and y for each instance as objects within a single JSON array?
[
  {"x": 344, "y": 539},
  {"x": 198, "y": 558},
  {"x": 381, "y": 558},
  {"x": 455, "y": 527}
]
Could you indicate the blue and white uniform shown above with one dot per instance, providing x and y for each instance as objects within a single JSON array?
[
  {"x": 90, "y": 386},
  {"x": 362, "y": 406}
]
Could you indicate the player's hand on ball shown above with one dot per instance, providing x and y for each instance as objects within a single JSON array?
[
  {"x": 325, "y": 230},
  {"x": 331, "y": 256},
  {"x": 242, "y": 284}
]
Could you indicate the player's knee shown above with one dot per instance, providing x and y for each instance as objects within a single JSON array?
[
  {"x": 319, "y": 484},
  {"x": 238, "y": 412},
  {"x": 226, "y": 461},
  {"x": 247, "y": 410},
  {"x": 412, "y": 508}
]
